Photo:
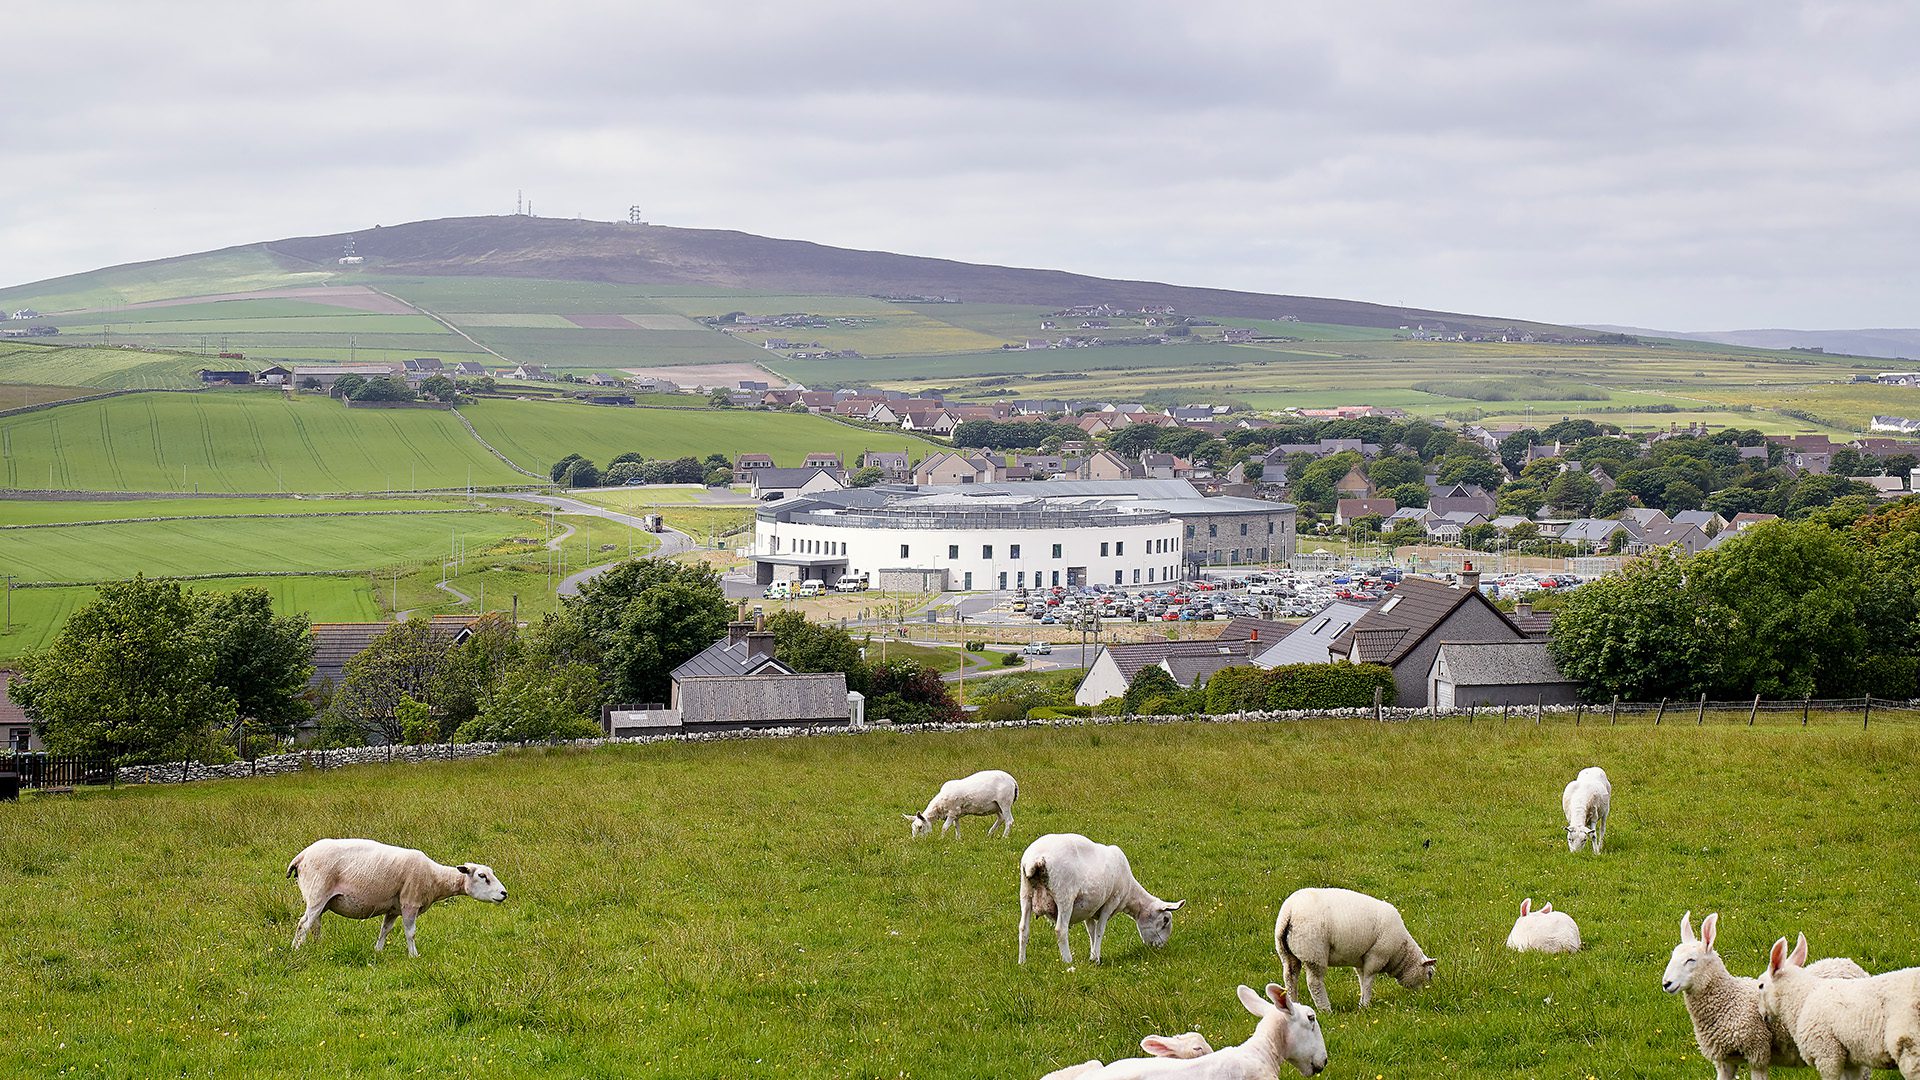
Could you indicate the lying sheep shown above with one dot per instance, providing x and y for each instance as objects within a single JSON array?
[
  {"x": 1586, "y": 801},
  {"x": 1845, "y": 1027},
  {"x": 1546, "y": 930},
  {"x": 1071, "y": 879},
  {"x": 1287, "y": 1032},
  {"x": 1190, "y": 1045},
  {"x": 989, "y": 793},
  {"x": 363, "y": 878},
  {"x": 1725, "y": 1008},
  {"x": 1324, "y": 928}
]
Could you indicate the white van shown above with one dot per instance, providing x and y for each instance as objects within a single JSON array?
[
  {"x": 850, "y": 584},
  {"x": 779, "y": 590},
  {"x": 812, "y": 587}
]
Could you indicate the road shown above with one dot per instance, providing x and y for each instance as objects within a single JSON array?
[{"x": 672, "y": 541}]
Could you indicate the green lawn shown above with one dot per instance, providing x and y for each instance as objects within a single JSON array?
[
  {"x": 38, "y": 614},
  {"x": 756, "y": 909},
  {"x": 241, "y": 441},
  {"x": 537, "y": 433}
]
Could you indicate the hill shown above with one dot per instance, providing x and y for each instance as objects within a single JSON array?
[
  {"x": 1887, "y": 342},
  {"x": 573, "y": 250}
]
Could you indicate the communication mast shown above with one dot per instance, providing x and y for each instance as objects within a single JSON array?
[
  {"x": 348, "y": 257},
  {"x": 633, "y": 216}
]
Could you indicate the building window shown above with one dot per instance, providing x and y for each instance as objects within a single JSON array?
[
  {"x": 1150, "y": 575},
  {"x": 1021, "y": 578},
  {"x": 986, "y": 551},
  {"x": 1213, "y": 530},
  {"x": 1189, "y": 532},
  {"x": 1056, "y": 573},
  {"x": 1056, "y": 554},
  {"x": 1003, "y": 579},
  {"x": 953, "y": 551},
  {"x": 1136, "y": 577},
  {"x": 1013, "y": 551},
  {"x": 1120, "y": 547},
  {"x": 1269, "y": 528},
  {"x": 1118, "y": 578},
  {"x": 1103, "y": 549},
  {"x": 1243, "y": 528},
  {"x": 903, "y": 551},
  {"x": 968, "y": 584},
  {"x": 1236, "y": 556}
]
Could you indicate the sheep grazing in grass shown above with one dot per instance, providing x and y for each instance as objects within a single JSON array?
[
  {"x": 363, "y": 878},
  {"x": 1586, "y": 801},
  {"x": 1844, "y": 1027},
  {"x": 1725, "y": 1009},
  {"x": 1071, "y": 879},
  {"x": 988, "y": 793},
  {"x": 1288, "y": 1033},
  {"x": 1322, "y": 928},
  {"x": 1546, "y": 930},
  {"x": 1190, "y": 1045}
]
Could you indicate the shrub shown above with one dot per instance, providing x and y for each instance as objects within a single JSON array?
[
  {"x": 1056, "y": 712},
  {"x": 1329, "y": 686},
  {"x": 1011, "y": 659}
]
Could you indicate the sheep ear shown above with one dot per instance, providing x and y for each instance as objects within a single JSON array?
[
  {"x": 1176, "y": 905},
  {"x": 1799, "y": 956},
  {"x": 464, "y": 868},
  {"x": 1430, "y": 963},
  {"x": 1155, "y": 1046},
  {"x": 1546, "y": 909},
  {"x": 1777, "y": 955},
  {"x": 1526, "y": 907},
  {"x": 1686, "y": 929},
  {"x": 1278, "y": 995},
  {"x": 1251, "y": 1001},
  {"x": 1709, "y": 929}
]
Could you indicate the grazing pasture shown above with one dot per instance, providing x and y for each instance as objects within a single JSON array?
[
  {"x": 757, "y": 909},
  {"x": 96, "y": 367},
  {"x": 39, "y": 613}
]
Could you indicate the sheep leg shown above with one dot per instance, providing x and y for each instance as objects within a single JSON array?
[
  {"x": 1006, "y": 822},
  {"x": 1026, "y": 920},
  {"x": 1317, "y": 985},
  {"x": 1096, "y": 933},
  {"x": 1366, "y": 987},
  {"x": 1062, "y": 923},
  {"x": 1290, "y": 972},
  {"x": 309, "y": 923},
  {"x": 406, "y": 921},
  {"x": 1599, "y": 833},
  {"x": 386, "y": 925},
  {"x": 1723, "y": 1070}
]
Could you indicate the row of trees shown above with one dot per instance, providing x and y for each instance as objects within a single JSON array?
[
  {"x": 577, "y": 471},
  {"x": 395, "y": 388}
]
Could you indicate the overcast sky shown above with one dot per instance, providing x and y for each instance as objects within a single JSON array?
[{"x": 1679, "y": 164}]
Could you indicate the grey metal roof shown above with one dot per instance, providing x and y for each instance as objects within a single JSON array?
[
  {"x": 1499, "y": 663},
  {"x": 764, "y": 699},
  {"x": 1134, "y": 657},
  {"x": 725, "y": 658},
  {"x": 789, "y": 478},
  {"x": 1308, "y": 643}
]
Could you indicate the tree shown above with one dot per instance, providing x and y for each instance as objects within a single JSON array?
[
  {"x": 559, "y": 468},
  {"x": 1524, "y": 532},
  {"x": 1407, "y": 495},
  {"x": 1405, "y": 531},
  {"x": 866, "y": 477},
  {"x": 1152, "y": 684},
  {"x": 1522, "y": 499},
  {"x": 1513, "y": 448},
  {"x": 1395, "y": 470},
  {"x": 1480, "y": 537},
  {"x": 1132, "y": 440},
  {"x": 474, "y": 668},
  {"x": 403, "y": 662},
  {"x": 644, "y": 618},
  {"x": 383, "y": 388},
  {"x": 909, "y": 692},
  {"x": 1609, "y": 504},
  {"x": 1791, "y": 594},
  {"x": 622, "y": 472},
  {"x": 808, "y": 647},
  {"x": 131, "y": 677},
  {"x": 722, "y": 476},
  {"x": 581, "y": 473},
  {"x": 1461, "y": 467},
  {"x": 720, "y": 399},
  {"x": 1181, "y": 442},
  {"x": 1645, "y": 633},
  {"x": 1681, "y": 495},
  {"x": 263, "y": 660},
  {"x": 538, "y": 700},
  {"x": 1573, "y": 490},
  {"x": 1236, "y": 689},
  {"x": 439, "y": 388}
]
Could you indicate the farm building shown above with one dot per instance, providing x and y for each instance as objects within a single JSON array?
[
  {"x": 1466, "y": 674},
  {"x": 736, "y": 683}
]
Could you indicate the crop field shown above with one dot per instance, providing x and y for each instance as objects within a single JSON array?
[
  {"x": 21, "y": 395},
  {"x": 59, "y": 511},
  {"x": 756, "y": 909},
  {"x": 198, "y": 275},
  {"x": 98, "y": 367},
  {"x": 241, "y": 441},
  {"x": 1849, "y": 406},
  {"x": 582, "y": 347},
  {"x": 39, "y": 613},
  {"x": 536, "y": 433}
]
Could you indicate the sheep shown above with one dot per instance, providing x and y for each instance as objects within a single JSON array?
[
  {"x": 1071, "y": 879},
  {"x": 1546, "y": 930},
  {"x": 1725, "y": 1008},
  {"x": 989, "y": 792},
  {"x": 1288, "y": 1032},
  {"x": 1190, "y": 1045},
  {"x": 363, "y": 878},
  {"x": 1845, "y": 1027},
  {"x": 1586, "y": 801},
  {"x": 1324, "y": 928}
]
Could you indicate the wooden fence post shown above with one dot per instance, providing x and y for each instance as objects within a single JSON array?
[
  {"x": 1806, "y": 707},
  {"x": 1700, "y": 721},
  {"x": 1506, "y": 713},
  {"x": 1377, "y": 694},
  {"x": 1539, "y": 707},
  {"x": 1657, "y": 717},
  {"x": 1867, "y": 713},
  {"x": 1613, "y": 717},
  {"x": 1756, "y": 710},
  {"x": 1579, "y": 710}
]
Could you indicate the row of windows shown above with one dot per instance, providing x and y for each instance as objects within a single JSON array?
[{"x": 1213, "y": 530}]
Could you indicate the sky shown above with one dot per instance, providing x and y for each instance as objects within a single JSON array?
[{"x": 1694, "y": 165}]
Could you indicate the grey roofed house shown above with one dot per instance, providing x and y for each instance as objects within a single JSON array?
[
  {"x": 1405, "y": 630},
  {"x": 1116, "y": 666},
  {"x": 1689, "y": 538},
  {"x": 1643, "y": 516},
  {"x": 1462, "y": 497},
  {"x": 469, "y": 367},
  {"x": 1592, "y": 532},
  {"x": 1307, "y": 644},
  {"x": 744, "y": 651},
  {"x": 763, "y": 700},
  {"x": 1701, "y": 519},
  {"x": 793, "y": 482},
  {"x": 1478, "y": 673},
  {"x": 1534, "y": 624},
  {"x": 334, "y": 644}
]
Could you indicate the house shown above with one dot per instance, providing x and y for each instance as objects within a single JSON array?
[
  {"x": 1705, "y": 520},
  {"x": 821, "y": 459},
  {"x": 1747, "y": 521},
  {"x": 1447, "y": 528},
  {"x": 885, "y": 413},
  {"x": 1189, "y": 662},
  {"x": 1537, "y": 624},
  {"x": 1607, "y": 483},
  {"x": 1236, "y": 334},
  {"x": 22, "y": 734},
  {"x": 893, "y": 464},
  {"x": 423, "y": 365},
  {"x": 1470, "y": 674},
  {"x": 225, "y": 378},
  {"x": 1593, "y": 534},
  {"x": 1887, "y": 487},
  {"x": 817, "y": 401},
  {"x": 1354, "y": 485},
  {"x": 781, "y": 399},
  {"x": 334, "y": 644},
  {"x": 647, "y": 384},
  {"x": 1689, "y": 538},
  {"x": 1419, "y": 515},
  {"x": 469, "y": 369},
  {"x": 275, "y": 376},
  {"x": 1307, "y": 643},
  {"x": 932, "y": 421},
  {"x": 947, "y": 467},
  {"x": 1156, "y": 466},
  {"x": 1102, "y": 465},
  {"x": 1448, "y": 498},
  {"x": 746, "y": 463},
  {"x": 770, "y": 484},
  {"x": 736, "y": 683},
  {"x": 529, "y": 373},
  {"x": 1346, "y": 511},
  {"x": 1097, "y": 423},
  {"x": 598, "y": 379},
  {"x": 1404, "y": 631}
]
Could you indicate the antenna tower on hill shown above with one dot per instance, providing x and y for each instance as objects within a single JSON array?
[{"x": 633, "y": 216}]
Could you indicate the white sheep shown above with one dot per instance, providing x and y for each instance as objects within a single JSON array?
[
  {"x": 1725, "y": 1009},
  {"x": 1546, "y": 930},
  {"x": 1587, "y": 800},
  {"x": 1071, "y": 879},
  {"x": 1190, "y": 1045},
  {"x": 363, "y": 878},
  {"x": 1322, "y": 928},
  {"x": 1288, "y": 1032},
  {"x": 1845, "y": 1027},
  {"x": 989, "y": 793}
]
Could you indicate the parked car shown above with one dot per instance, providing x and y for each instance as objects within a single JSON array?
[{"x": 1038, "y": 648}]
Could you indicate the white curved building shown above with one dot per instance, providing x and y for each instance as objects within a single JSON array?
[{"x": 1006, "y": 536}]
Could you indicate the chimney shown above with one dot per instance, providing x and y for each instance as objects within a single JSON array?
[
  {"x": 1469, "y": 578},
  {"x": 1523, "y": 608},
  {"x": 759, "y": 644},
  {"x": 737, "y": 632}
]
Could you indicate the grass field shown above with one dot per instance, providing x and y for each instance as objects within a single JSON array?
[
  {"x": 756, "y": 909},
  {"x": 97, "y": 367},
  {"x": 38, "y": 614},
  {"x": 194, "y": 275},
  {"x": 536, "y": 434},
  {"x": 57, "y": 511}
]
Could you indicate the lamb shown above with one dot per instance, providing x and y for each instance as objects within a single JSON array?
[
  {"x": 1725, "y": 1009},
  {"x": 1190, "y": 1045},
  {"x": 1845, "y": 1027},
  {"x": 1586, "y": 801},
  {"x": 1287, "y": 1032},
  {"x": 1546, "y": 930},
  {"x": 989, "y": 792},
  {"x": 1324, "y": 928},
  {"x": 1071, "y": 879},
  {"x": 363, "y": 878}
]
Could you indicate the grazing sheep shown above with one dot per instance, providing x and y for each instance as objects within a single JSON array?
[
  {"x": 1071, "y": 879},
  {"x": 1725, "y": 1008},
  {"x": 1288, "y": 1032},
  {"x": 989, "y": 793},
  {"x": 363, "y": 878},
  {"x": 1586, "y": 801},
  {"x": 1546, "y": 930},
  {"x": 1190, "y": 1045},
  {"x": 1845, "y": 1027},
  {"x": 1324, "y": 928}
]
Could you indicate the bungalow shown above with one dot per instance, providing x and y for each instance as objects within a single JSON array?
[
  {"x": 469, "y": 369},
  {"x": 1467, "y": 674},
  {"x": 1189, "y": 662},
  {"x": 1691, "y": 539},
  {"x": 1448, "y": 528},
  {"x": 647, "y": 384},
  {"x": 529, "y": 373},
  {"x": 821, "y": 459},
  {"x": 1404, "y": 632},
  {"x": 424, "y": 365},
  {"x": 1307, "y": 643},
  {"x": 1236, "y": 334},
  {"x": 737, "y": 683},
  {"x": 779, "y": 399},
  {"x": 817, "y": 401},
  {"x": 1593, "y": 534},
  {"x": 1346, "y": 511},
  {"x": 598, "y": 379},
  {"x": 773, "y": 484}
]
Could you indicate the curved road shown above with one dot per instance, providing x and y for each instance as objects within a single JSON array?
[{"x": 672, "y": 541}]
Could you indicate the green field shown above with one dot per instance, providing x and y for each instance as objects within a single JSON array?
[
  {"x": 58, "y": 511},
  {"x": 97, "y": 367},
  {"x": 38, "y": 614},
  {"x": 756, "y": 909},
  {"x": 193, "y": 275},
  {"x": 536, "y": 433}
]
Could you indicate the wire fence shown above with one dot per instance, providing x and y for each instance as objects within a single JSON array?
[{"x": 1863, "y": 712}]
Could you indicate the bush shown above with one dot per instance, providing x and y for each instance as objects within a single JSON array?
[
  {"x": 1329, "y": 686},
  {"x": 1011, "y": 659},
  {"x": 1058, "y": 712}
]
